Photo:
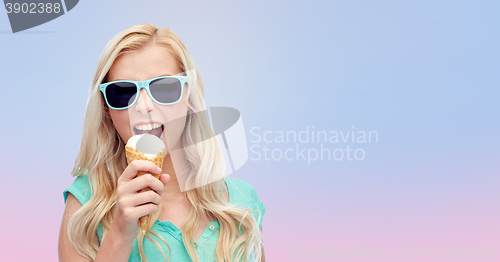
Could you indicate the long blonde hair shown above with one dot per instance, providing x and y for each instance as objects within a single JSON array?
[{"x": 102, "y": 157}]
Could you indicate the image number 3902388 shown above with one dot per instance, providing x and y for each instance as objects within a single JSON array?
[{"x": 28, "y": 14}]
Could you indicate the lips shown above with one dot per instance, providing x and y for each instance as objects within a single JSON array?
[{"x": 153, "y": 129}]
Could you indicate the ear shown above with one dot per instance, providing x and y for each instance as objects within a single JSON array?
[{"x": 106, "y": 113}]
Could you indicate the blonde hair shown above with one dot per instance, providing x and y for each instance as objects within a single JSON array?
[{"x": 102, "y": 157}]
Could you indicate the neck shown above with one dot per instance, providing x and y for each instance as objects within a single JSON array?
[{"x": 173, "y": 164}]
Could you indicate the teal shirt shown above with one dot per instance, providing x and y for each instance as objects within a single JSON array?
[{"x": 241, "y": 194}]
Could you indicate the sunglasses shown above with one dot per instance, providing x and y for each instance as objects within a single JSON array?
[{"x": 164, "y": 90}]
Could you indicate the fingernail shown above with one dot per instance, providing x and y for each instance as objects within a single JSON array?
[{"x": 159, "y": 169}]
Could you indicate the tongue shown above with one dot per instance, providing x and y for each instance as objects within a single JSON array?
[{"x": 155, "y": 131}]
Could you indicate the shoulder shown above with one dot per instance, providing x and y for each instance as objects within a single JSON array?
[
  {"x": 80, "y": 189},
  {"x": 243, "y": 194},
  {"x": 240, "y": 188}
]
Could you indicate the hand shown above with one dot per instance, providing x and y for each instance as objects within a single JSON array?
[{"x": 130, "y": 204}]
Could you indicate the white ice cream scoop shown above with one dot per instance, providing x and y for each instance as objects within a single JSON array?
[{"x": 149, "y": 145}]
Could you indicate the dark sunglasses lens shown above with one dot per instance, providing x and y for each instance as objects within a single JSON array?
[
  {"x": 166, "y": 90},
  {"x": 121, "y": 94}
]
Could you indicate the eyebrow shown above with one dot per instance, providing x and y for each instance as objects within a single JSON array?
[{"x": 132, "y": 80}]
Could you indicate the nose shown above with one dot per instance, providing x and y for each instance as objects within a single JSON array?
[{"x": 144, "y": 102}]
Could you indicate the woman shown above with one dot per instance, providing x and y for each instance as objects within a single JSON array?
[{"x": 216, "y": 221}]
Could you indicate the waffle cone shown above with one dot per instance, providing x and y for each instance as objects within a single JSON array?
[{"x": 133, "y": 154}]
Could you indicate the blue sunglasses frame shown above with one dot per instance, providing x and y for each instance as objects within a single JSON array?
[{"x": 140, "y": 85}]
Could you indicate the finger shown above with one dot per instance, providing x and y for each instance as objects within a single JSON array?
[
  {"x": 138, "y": 165},
  {"x": 164, "y": 178},
  {"x": 146, "y": 209},
  {"x": 145, "y": 198},
  {"x": 143, "y": 182}
]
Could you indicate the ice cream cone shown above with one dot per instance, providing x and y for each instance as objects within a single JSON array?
[{"x": 133, "y": 154}]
